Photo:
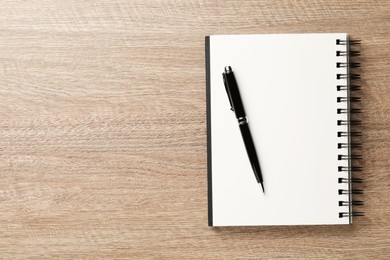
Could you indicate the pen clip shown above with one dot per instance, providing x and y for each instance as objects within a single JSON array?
[{"x": 225, "y": 82}]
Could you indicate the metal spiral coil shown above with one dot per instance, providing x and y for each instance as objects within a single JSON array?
[
  {"x": 353, "y": 191},
  {"x": 353, "y": 180},
  {"x": 349, "y": 157},
  {"x": 348, "y": 110},
  {"x": 349, "y": 122},
  {"x": 353, "y": 214},
  {"x": 354, "y": 202},
  {"x": 349, "y": 99},
  {"x": 352, "y": 168},
  {"x": 348, "y": 53},
  {"x": 349, "y": 145},
  {"x": 348, "y": 76},
  {"x": 348, "y": 64},
  {"x": 345, "y": 134},
  {"x": 348, "y": 42},
  {"x": 345, "y": 111},
  {"x": 348, "y": 87}
]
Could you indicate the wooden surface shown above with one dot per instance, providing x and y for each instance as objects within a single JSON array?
[{"x": 103, "y": 129}]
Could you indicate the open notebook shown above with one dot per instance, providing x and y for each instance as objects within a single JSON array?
[{"x": 296, "y": 93}]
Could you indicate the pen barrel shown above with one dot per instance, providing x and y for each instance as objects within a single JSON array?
[
  {"x": 251, "y": 151},
  {"x": 234, "y": 95}
]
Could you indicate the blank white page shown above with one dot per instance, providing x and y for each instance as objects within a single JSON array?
[{"x": 288, "y": 87}]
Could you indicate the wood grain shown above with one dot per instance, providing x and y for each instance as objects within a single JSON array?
[{"x": 103, "y": 129}]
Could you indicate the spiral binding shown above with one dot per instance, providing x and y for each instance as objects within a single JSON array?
[
  {"x": 348, "y": 76},
  {"x": 341, "y": 134},
  {"x": 349, "y": 157},
  {"x": 348, "y": 111},
  {"x": 349, "y": 87},
  {"x": 349, "y": 123},
  {"x": 347, "y": 65},
  {"x": 349, "y": 99},
  {"x": 349, "y": 145},
  {"x": 347, "y": 42},
  {"x": 353, "y": 214},
  {"x": 348, "y": 169},
  {"x": 348, "y": 53},
  {"x": 354, "y": 202},
  {"x": 353, "y": 180},
  {"x": 350, "y": 192}
]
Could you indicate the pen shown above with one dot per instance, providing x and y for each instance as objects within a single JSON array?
[{"x": 237, "y": 106}]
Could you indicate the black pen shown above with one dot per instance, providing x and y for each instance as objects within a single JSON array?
[{"x": 237, "y": 106}]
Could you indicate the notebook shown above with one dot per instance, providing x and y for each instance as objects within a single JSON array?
[{"x": 296, "y": 90}]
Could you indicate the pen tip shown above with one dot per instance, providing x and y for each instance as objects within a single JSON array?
[{"x": 262, "y": 186}]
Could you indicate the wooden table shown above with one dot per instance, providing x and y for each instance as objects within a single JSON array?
[{"x": 103, "y": 129}]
